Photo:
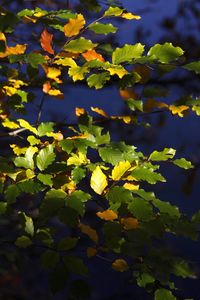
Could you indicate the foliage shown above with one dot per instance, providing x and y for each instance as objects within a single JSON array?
[{"x": 57, "y": 169}]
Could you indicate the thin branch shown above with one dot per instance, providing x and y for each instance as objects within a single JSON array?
[{"x": 40, "y": 109}]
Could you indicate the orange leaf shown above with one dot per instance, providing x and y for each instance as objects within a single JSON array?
[
  {"x": 46, "y": 41},
  {"x": 74, "y": 26},
  {"x": 107, "y": 215},
  {"x": 120, "y": 265},
  {"x": 91, "y": 252},
  {"x": 150, "y": 104},
  {"x": 79, "y": 111},
  {"x": 89, "y": 232},
  {"x": 46, "y": 87},
  {"x": 92, "y": 55},
  {"x": 100, "y": 111},
  {"x": 127, "y": 94},
  {"x": 130, "y": 223}
]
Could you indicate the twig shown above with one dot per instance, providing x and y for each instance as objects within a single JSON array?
[{"x": 40, "y": 110}]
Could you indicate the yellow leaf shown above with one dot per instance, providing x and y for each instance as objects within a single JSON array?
[
  {"x": 107, "y": 215},
  {"x": 89, "y": 232},
  {"x": 130, "y": 16},
  {"x": 25, "y": 124},
  {"x": 56, "y": 135},
  {"x": 77, "y": 159},
  {"x": 98, "y": 181},
  {"x": 56, "y": 93},
  {"x": 117, "y": 70},
  {"x": 9, "y": 90},
  {"x": 17, "y": 83},
  {"x": 66, "y": 62},
  {"x": 125, "y": 119},
  {"x": 16, "y": 50},
  {"x": 179, "y": 110},
  {"x": 79, "y": 111},
  {"x": 74, "y": 26},
  {"x": 54, "y": 73},
  {"x": 120, "y": 265},
  {"x": 77, "y": 73},
  {"x": 92, "y": 55},
  {"x": 120, "y": 169},
  {"x": 10, "y": 124},
  {"x": 131, "y": 186},
  {"x": 130, "y": 223},
  {"x": 18, "y": 150},
  {"x": 91, "y": 252},
  {"x": 100, "y": 111}
]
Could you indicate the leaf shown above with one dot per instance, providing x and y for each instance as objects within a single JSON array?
[
  {"x": 130, "y": 16},
  {"x": 67, "y": 243},
  {"x": 66, "y": 62},
  {"x": 79, "y": 45},
  {"x": 27, "y": 223},
  {"x": 45, "y": 179},
  {"x": 120, "y": 169},
  {"x": 113, "y": 11},
  {"x": 76, "y": 200},
  {"x": 165, "y": 53},
  {"x": 52, "y": 202},
  {"x": 77, "y": 159},
  {"x": 167, "y": 153},
  {"x": 98, "y": 181},
  {"x": 182, "y": 269},
  {"x": 131, "y": 186},
  {"x": 35, "y": 59},
  {"x": 23, "y": 241},
  {"x": 162, "y": 294},
  {"x": 141, "y": 209},
  {"x": 127, "y": 53},
  {"x": 107, "y": 215},
  {"x": 75, "y": 265},
  {"x": 93, "y": 55},
  {"x": 147, "y": 173},
  {"x": 117, "y": 70},
  {"x": 54, "y": 73},
  {"x": 26, "y": 125},
  {"x": 46, "y": 41},
  {"x": 167, "y": 208},
  {"x": 100, "y": 28},
  {"x": 183, "y": 163},
  {"x": 120, "y": 265},
  {"x": 49, "y": 259},
  {"x": 10, "y": 124},
  {"x": 11, "y": 193},
  {"x": 91, "y": 252},
  {"x": 45, "y": 157},
  {"x": 180, "y": 110},
  {"x": 89, "y": 232},
  {"x": 45, "y": 128},
  {"x": 130, "y": 223},
  {"x": 74, "y": 26},
  {"x": 98, "y": 80},
  {"x": 196, "y": 109},
  {"x": 78, "y": 174},
  {"x": 100, "y": 112},
  {"x": 77, "y": 73},
  {"x": 193, "y": 66},
  {"x": 26, "y": 161}
]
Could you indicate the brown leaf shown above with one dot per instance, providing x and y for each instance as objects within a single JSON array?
[{"x": 46, "y": 41}]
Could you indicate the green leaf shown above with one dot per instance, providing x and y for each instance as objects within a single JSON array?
[
  {"x": 53, "y": 201},
  {"x": 67, "y": 243},
  {"x": 127, "y": 53},
  {"x": 112, "y": 232},
  {"x": 45, "y": 179},
  {"x": 116, "y": 152},
  {"x": 77, "y": 200},
  {"x": 118, "y": 195},
  {"x": 27, "y": 223},
  {"x": 11, "y": 193},
  {"x": 113, "y": 11},
  {"x": 167, "y": 153},
  {"x": 45, "y": 128},
  {"x": 163, "y": 294},
  {"x": 69, "y": 217},
  {"x": 141, "y": 209},
  {"x": 101, "y": 28},
  {"x": 78, "y": 174},
  {"x": 135, "y": 104},
  {"x": 77, "y": 73},
  {"x": 33, "y": 140},
  {"x": 183, "y": 163},
  {"x": 67, "y": 145},
  {"x": 23, "y": 241},
  {"x": 146, "y": 173},
  {"x": 75, "y": 265},
  {"x": 3, "y": 208},
  {"x": 58, "y": 279},
  {"x": 182, "y": 269},
  {"x": 29, "y": 186},
  {"x": 26, "y": 161},
  {"x": 144, "y": 279},
  {"x": 165, "y": 53},
  {"x": 79, "y": 45},
  {"x": 49, "y": 259},
  {"x": 193, "y": 66},
  {"x": 167, "y": 208},
  {"x": 35, "y": 59},
  {"x": 98, "y": 80},
  {"x": 45, "y": 157}
]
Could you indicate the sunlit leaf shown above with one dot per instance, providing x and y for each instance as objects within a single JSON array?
[
  {"x": 45, "y": 157},
  {"x": 113, "y": 11},
  {"x": 98, "y": 80},
  {"x": 23, "y": 241},
  {"x": 101, "y": 28},
  {"x": 54, "y": 73},
  {"x": 180, "y": 110},
  {"x": 130, "y": 16},
  {"x": 193, "y": 66},
  {"x": 183, "y": 163},
  {"x": 46, "y": 41},
  {"x": 74, "y": 26},
  {"x": 10, "y": 124},
  {"x": 66, "y": 62},
  {"x": 98, "y": 181},
  {"x": 79, "y": 45},
  {"x": 165, "y": 53},
  {"x": 100, "y": 111},
  {"x": 167, "y": 153},
  {"x": 120, "y": 265},
  {"x": 127, "y": 53},
  {"x": 120, "y": 169},
  {"x": 26, "y": 161},
  {"x": 93, "y": 55},
  {"x": 117, "y": 70},
  {"x": 77, "y": 159},
  {"x": 77, "y": 73}
]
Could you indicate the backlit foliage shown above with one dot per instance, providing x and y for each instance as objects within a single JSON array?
[{"x": 56, "y": 169}]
